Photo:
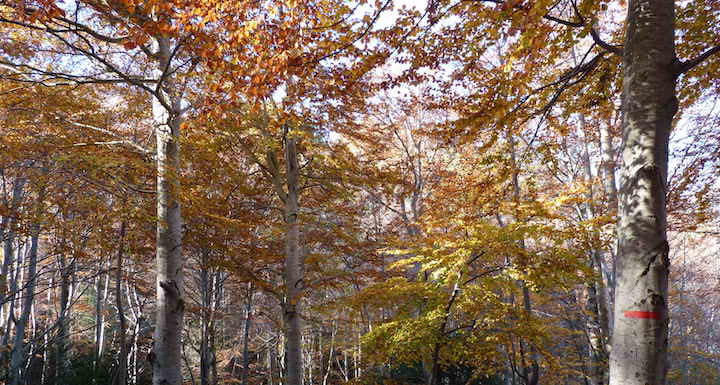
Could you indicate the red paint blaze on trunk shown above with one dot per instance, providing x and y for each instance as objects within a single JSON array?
[{"x": 642, "y": 314}]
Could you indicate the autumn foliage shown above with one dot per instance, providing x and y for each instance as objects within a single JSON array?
[{"x": 329, "y": 191}]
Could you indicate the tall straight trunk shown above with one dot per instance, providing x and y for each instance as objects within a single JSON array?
[
  {"x": 19, "y": 350},
  {"x": 598, "y": 326},
  {"x": 207, "y": 288},
  {"x": 101, "y": 291},
  {"x": 640, "y": 336},
  {"x": 597, "y": 256},
  {"x": 48, "y": 368},
  {"x": 611, "y": 191},
  {"x": 333, "y": 331},
  {"x": 531, "y": 371},
  {"x": 8, "y": 224},
  {"x": 167, "y": 353},
  {"x": 8, "y": 237},
  {"x": 215, "y": 325},
  {"x": 63, "y": 336},
  {"x": 293, "y": 269},
  {"x": 246, "y": 335},
  {"x": 121, "y": 375}
]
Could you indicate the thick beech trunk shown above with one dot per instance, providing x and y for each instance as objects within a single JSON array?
[
  {"x": 293, "y": 269},
  {"x": 640, "y": 336},
  {"x": 167, "y": 353}
]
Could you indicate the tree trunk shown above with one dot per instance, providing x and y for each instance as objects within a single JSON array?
[
  {"x": 639, "y": 342},
  {"x": 19, "y": 350},
  {"x": 101, "y": 292},
  {"x": 121, "y": 375},
  {"x": 8, "y": 224},
  {"x": 531, "y": 371},
  {"x": 167, "y": 354},
  {"x": 8, "y": 237},
  {"x": 330, "y": 354},
  {"x": 246, "y": 336},
  {"x": 611, "y": 191},
  {"x": 207, "y": 353},
  {"x": 63, "y": 323},
  {"x": 293, "y": 269},
  {"x": 597, "y": 326}
]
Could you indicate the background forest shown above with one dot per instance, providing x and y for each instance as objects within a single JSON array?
[{"x": 325, "y": 192}]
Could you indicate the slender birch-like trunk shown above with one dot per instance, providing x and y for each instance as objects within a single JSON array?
[
  {"x": 207, "y": 349},
  {"x": 640, "y": 335},
  {"x": 8, "y": 224},
  {"x": 330, "y": 354},
  {"x": 8, "y": 237},
  {"x": 246, "y": 335},
  {"x": 597, "y": 306},
  {"x": 611, "y": 192},
  {"x": 121, "y": 375},
  {"x": 19, "y": 352},
  {"x": 531, "y": 371},
  {"x": 63, "y": 321},
  {"x": 101, "y": 290}
]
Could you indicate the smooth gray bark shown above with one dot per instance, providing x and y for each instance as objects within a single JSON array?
[
  {"x": 120, "y": 377},
  {"x": 8, "y": 224},
  {"x": 608, "y": 167},
  {"x": 170, "y": 306},
  {"x": 62, "y": 344},
  {"x": 19, "y": 351},
  {"x": 640, "y": 335},
  {"x": 598, "y": 326},
  {"x": 101, "y": 291}
]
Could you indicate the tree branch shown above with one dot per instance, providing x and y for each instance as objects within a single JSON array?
[
  {"x": 687, "y": 65},
  {"x": 605, "y": 45}
]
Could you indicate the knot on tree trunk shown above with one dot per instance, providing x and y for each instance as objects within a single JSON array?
[
  {"x": 172, "y": 291},
  {"x": 171, "y": 288}
]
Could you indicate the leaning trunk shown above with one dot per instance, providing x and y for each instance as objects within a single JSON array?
[
  {"x": 640, "y": 336},
  {"x": 101, "y": 291}
]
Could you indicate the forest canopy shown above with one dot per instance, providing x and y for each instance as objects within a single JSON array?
[{"x": 438, "y": 192}]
